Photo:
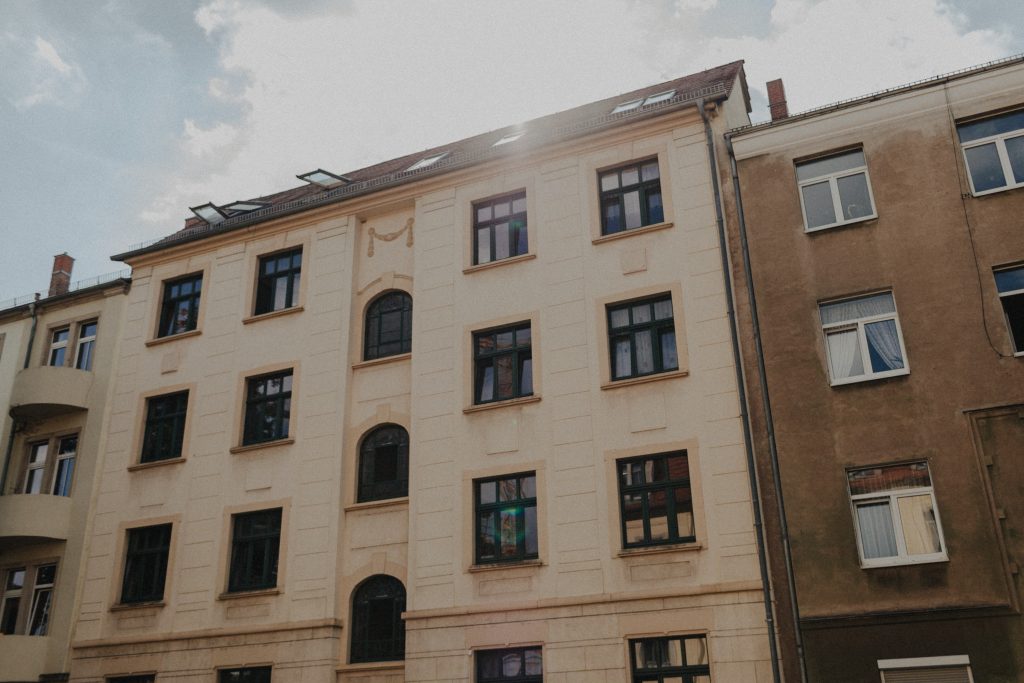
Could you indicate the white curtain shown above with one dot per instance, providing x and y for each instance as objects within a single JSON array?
[
  {"x": 884, "y": 340},
  {"x": 644, "y": 352},
  {"x": 852, "y": 309},
  {"x": 920, "y": 528},
  {"x": 877, "y": 535},
  {"x": 844, "y": 354}
]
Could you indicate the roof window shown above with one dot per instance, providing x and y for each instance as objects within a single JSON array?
[
  {"x": 659, "y": 97},
  {"x": 209, "y": 212},
  {"x": 427, "y": 161},
  {"x": 626, "y": 106},
  {"x": 323, "y": 178},
  {"x": 510, "y": 137}
]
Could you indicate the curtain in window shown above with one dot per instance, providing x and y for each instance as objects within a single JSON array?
[
  {"x": 877, "y": 535},
  {"x": 864, "y": 307},
  {"x": 920, "y": 528},
  {"x": 844, "y": 354},
  {"x": 884, "y": 344}
]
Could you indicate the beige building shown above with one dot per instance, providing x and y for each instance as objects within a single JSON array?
[
  {"x": 56, "y": 360},
  {"x": 466, "y": 415}
]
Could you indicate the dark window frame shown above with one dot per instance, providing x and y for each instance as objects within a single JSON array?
[
  {"x": 245, "y": 674},
  {"x": 271, "y": 269},
  {"x": 662, "y": 671},
  {"x": 374, "y": 339},
  {"x": 485, "y": 358},
  {"x": 483, "y": 676},
  {"x": 520, "y": 504},
  {"x": 646, "y": 190},
  {"x": 378, "y": 598},
  {"x": 147, "y": 551},
  {"x": 518, "y": 231},
  {"x": 667, "y": 486},
  {"x": 257, "y": 404},
  {"x": 159, "y": 427},
  {"x": 135, "y": 678},
  {"x": 172, "y": 301},
  {"x": 254, "y": 554},
  {"x": 370, "y": 488},
  {"x": 32, "y": 600},
  {"x": 655, "y": 326}
]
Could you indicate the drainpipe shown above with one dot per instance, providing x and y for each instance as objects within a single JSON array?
[
  {"x": 33, "y": 309},
  {"x": 773, "y": 450},
  {"x": 755, "y": 499}
]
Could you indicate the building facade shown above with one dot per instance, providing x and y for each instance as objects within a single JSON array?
[
  {"x": 885, "y": 249},
  {"x": 467, "y": 415}
]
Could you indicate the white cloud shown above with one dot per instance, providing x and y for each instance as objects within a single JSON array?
[
  {"x": 48, "y": 53},
  {"x": 215, "y": 141},
  {"x": 48, "y": 78}
]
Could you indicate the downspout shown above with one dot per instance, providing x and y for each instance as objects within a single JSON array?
[
  {"x": 773, "y": 450},
  {"x": 33, "y": 308},
  {"x": 755, "y": 499}
]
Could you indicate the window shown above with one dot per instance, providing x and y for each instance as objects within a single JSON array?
[
  {"x": 67, "y": 448},
  {"x": 896, "y": 517},
  {"x": 631, "y": 197},
  {"x": 503, "y": 364},
  {"x": 252, "y": 674},
  {"x": 45, "y": 476},
  {"x": 655, "y": 499},
  {"x": 863, "y": 338},
  {"x": 388, "y": 326},
  {"x": 378, "y": 632},
  {"x": 510, "y": 137},
  {"x": 255, "y": 541},
  {"x": 676, "y": 659},
  {"x": 13, "y": 617},
  {"x": 179, "y": 311},
  {"x": 165, "y": 427},
  {"x": 499, "y": 228},
  {"x": 1010, "y": 283},
  {"x": 14, "y": 584},
  {"x": 642, "y": 337},
  {"x": 268, "y": 406},
  {"x": 277, "y": 286},
  {"x": 42, "y": 600},
  {"x": 59, "y": 347},
  {"x": 36, "y": 471},
  {"x": 994, "y": 152},
  {"x": 145, "y": 563},
  {"x": 834, "y": 190},
  {"x": 86, "y": 345},
  {"x": 427, "y": 161},
  {"x": 384, "y": 464},
  {"x": 944, "y": 669},
  {"x": 506, "y": 518},
  {"x": 511, "y": 665},
  {"x": 139, "y": 678}
]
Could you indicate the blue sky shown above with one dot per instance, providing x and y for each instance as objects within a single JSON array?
[{"x": 117, "y": 115}]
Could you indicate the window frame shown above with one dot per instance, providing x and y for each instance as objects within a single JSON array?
[
  {"x": 405, "y": 335},
  {"x": 1016, "y": 344},
  {"x": 49, "y": 467},
  {"x": 925, "y": 664},
  {"x": 366, "y": 491},
  {"x": 359, "y": 644},
  {"x": 83, "y": 341},
  {"x": 644, "y": 187},
  {"x": 168, "y": 305},
  {"x": 521, "y": 505},
  {"x": 263, "y": 297},
  {"x": 655, "y": 325},
  {"x": 38, "y": 590},
  {"x": 999, "y": 140},
  {"x": 492, "y": 223},
  {"x": 140, "y": 556},
  {"x": 58, "y": 346},
  {"x": 902, "y": 558},
  {"x": 8, "y": 593},
  {"x": 283, "y": 411},
  {"x": 860, "y": 324},
  {"x": 60, "y": 460},
  {"x": 833, "y": 183},
  {"x": 520, "y": 353},
  {"x": 684, "y": 673},
  {"x": 181, "y": 416},
  {"x": 523, "y": 677},
  {"x": 243, "y": 550},
  {"x": 669, "y": 486},
  {"x": 245, "y": 674}
]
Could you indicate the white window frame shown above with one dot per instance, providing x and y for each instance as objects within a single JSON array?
[
  {"x": 833, "y": 184},
  {"x": 39, "y": 467},
  {"x": 56, "y": 345},
  {"x": 946, "y": 661},
  {"x": 426, "y": 162},
  {"x": 859, "y": 324},
  {"x": 37, "y": 592},
  {"x": 13, "y": 593},
  {"x": 82, "y": 340},
  {"x": 60, "y": 458},
  {"x": 1012, "y": 292},
  {"x": 1004, "y": 158},
  {"x": 902, "y": 557}
]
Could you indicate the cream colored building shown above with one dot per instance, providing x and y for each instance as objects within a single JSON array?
[
  {"x": 461, "y": 299},
  {"x": 56, "y": 360}
]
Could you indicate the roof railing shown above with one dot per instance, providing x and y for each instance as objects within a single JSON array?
[{"x": 123, "y": 274}]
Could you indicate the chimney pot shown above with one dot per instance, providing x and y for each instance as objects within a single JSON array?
[
  {"x": 60, "y": 279},
  {"x": 777, "y": 100}
]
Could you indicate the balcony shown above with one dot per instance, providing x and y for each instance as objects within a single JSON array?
[
  {"x": 23, "y": 657},
  {"x": 43, "y": 391},
  {"x": 34, "y": 516}
]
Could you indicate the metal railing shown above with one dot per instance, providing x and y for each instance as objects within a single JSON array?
[{"x": 124, "y": 273}]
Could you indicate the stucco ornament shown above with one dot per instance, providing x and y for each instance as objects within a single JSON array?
[{"x": 391, "y": 236}]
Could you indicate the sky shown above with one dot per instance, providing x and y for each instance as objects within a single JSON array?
[{"x": 118, "y": 115}]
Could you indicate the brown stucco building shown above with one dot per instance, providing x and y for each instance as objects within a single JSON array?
[{"x": 885, "y": 242}]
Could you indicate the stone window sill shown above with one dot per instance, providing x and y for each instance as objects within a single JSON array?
[
  {"x": 263, "y": 444},
  {"x": 396, "y": 665},
  {"x": 173, "y": 337},
  {"x": 381, "y": 361},
  {"x": 643, "y": 380},
  {"x": 237, "y": 595},
  {"x": 154, "y": 463},
  {"x": 500, "y": 262},
  {"x": 659, "y": 549},
  {"x": 502, "y": 404},
  {"x": 272, "y": 314},
  {"x": 126, "y": 606},
  {"x": 495, "y": 566},
  {"x": 369, "y": 505},
  {"x": 629, "y": 233}
]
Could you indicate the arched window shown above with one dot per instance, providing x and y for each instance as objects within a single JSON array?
[
  {"x": 388, "y": 326},
  {"x": 384, "y": 464},
  {"x": 378, "y": 632}
]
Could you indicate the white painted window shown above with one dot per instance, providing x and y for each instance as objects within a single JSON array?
[
  {"x": 946, "y": 669},
  {"x": 626, "y": 106},
  {"x": 37, "y": 456},
  {"x": 427, "y": 161},
  {"x": 58, "y": 347},
  {"x": 863, "y": 339},
  {"x": 1010, "y": 284},
  {"x": 994, "y": 152},
  {"x": 659, "y": 97},
  {"x": 835, "y": 190},
  {"x": 511, "y": 137},
  {"x": 895, "y": 515},
  {"x": 86, "y": 345},
  {"x": 67, "y": 448},
  {"x": 42, "y": 600}
]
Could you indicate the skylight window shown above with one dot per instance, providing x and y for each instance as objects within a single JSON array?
[
  {"x": 660, "y": 97},
  {"x": 210, "y": 213},
  {"x": 244, "y": 207},
  {"x": 427, "y": 161},
  {"x": 323, "y": 178},
  {"x": 511, "y": 137},
  {"x": 626, "y": 106}
]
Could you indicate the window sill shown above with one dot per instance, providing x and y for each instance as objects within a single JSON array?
[
  {"x": 658, "y": 549},
  {"x": 869, "y": 378},
  {"x": 906, "y": 562},
  {"x": 263, "y": 444},
  {"x": 393, "y": 664},
  {"x": 996, "y": 190},
  {"x": 249, "y": 594},
  {"x": 154, "y": 463},
  {"x": 844, "y": 224},
  {"x": 382, "y": 361},
  {"x": 173, "y": 337},
  {"x": 369, "y": 505},
  {"x": 495, "y": 566},
  {"x": 127, "y": 606},
  {"x": 615, "y": 384},
  {"x": 500, "y": 262},
  {"x": 272, "y": 314},
  {"x": 629, "y": 233},
  {"x": 522, "y": 400}
]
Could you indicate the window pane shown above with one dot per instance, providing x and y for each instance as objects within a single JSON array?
[
  {"x": 844, "y": 357},
  {"x": 612, "y": 215},
  {"x": 644, "y": 352},
  {"x": 854, "y": 196},
  {"x": 622, "y": 358},
  {"x": 1004, "y": 123},
  {"x": 1013, "y": 308},
  {"x": 501, "y": 241},
  {"x": 854, "y": 309},
  {"x": 632, "y": 202},
  {"x": 522, "y": 238},
  {"x": 509, "y": 533},
  {"x": 663, "y": 309},
  {"x": 483, "y": 213},
  {"x": 892, "y": 478},
  {"x": 508, "y": 489},
  {"x": 986, "y": 170},
  {"x": 696, "y": 651},
  {"x": 650, "y": 171},
  {"x": 40, "y": 618},
  {"x": 534, "y": 663},
  {"x": 1010, "y": 280},
  {"x": 504, "y": 376},
  {"x": 818, "y": 207},
  {"x": 1015, "y": 150},
  {"x": 501, "y": 210},
  {"x": 669, "y": 358},
  {"x": 655, "y": 211},
  {"x": 877, "y": 536},
  {"x": 674, "y": 652},
  {"x": 609, "y": 181},
  {"x": 504, "y": 339},
  {"x": 920, "y": 528},
  {"x": 488, "y": 492},
  {"x": 483, "y": 245},
  {"x": 633, "y": 517},
  {"x": 630, "y": 176},
  {"x": 531, "y": 530},
  {"x": 830, "y": 165},
  {"x": 62, "y": 480},
  {"x": 658, "y": 515},
  {"x": 526, "y": 377},
  {"x": 519, "y": 205},
  {"x": 684, "y": 512},
  {"x": 884, "y": 346},
  {"x": 528, "y": 486},
  {"x": 620, "y": 317},
  {"x": 34, "y": 482},
  {"x": 9, "y": 615},
  {"x": 641, "y": 313}
]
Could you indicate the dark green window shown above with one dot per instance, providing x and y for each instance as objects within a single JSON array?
[
  {"x": 511, "y": 665},
  {"x": 655, "y": 500},
  {"x": 503, "y": 364},
  {"x": 255, "y": 542},
  {"x": 142, "y": 678},
  {"x": 679, "y": 659},
  {"x": 378, "y": 632},
  {"x": 506, "y": 518},
  {"x": 165, "y": 427},
  {"x": 642, "y": 337},
  {"x": 630, "y": 197},
  {"x": 179, "y": 311},
  {"x": 384, "y": 464},
  {"x": 145, "y": 563},
  {"x": 268, "y": 407},
  {"x": 499, "y": 228},
  {"x": 277, "y": 286},
  {"x": 251, "y": 674},
  {"x": 388, "y": 326}
]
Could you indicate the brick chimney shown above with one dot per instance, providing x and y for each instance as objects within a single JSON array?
[
  {"x": 60, "y": 280},
  {"x": 777, "y": 100}
]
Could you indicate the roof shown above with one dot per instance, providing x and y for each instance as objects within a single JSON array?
[
  {"x": 712, "y": 84},
  {"x": 81, "y": 288}
]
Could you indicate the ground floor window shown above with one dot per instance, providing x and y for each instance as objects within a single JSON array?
[
  {"x": 517, "y": 664},
  {"x": 945, "y": 669},
  {"x": 250, "y": 674},
  {"x": 675, "y": 659}
]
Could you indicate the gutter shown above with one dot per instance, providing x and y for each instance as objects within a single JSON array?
[
  {"x": 755, "y": 499},
  {"x": 773, "y": 450}
]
